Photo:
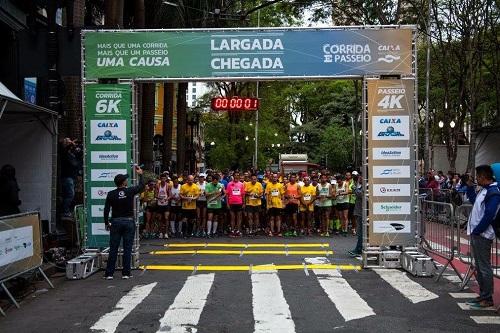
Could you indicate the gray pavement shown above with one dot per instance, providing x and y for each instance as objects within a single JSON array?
[{"x": 282, "y": 301}]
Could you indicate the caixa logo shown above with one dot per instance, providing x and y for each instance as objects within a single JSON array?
[
  {"x": 101, "y": 125},
  {"x": 108, "y": 136},
  {"x": 390, "y": 121},
  {"x": 390, "y": 131}
]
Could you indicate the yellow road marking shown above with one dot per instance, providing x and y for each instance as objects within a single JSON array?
[
  {"x": 248, "y": 268},
  {"x": 244, "y": 245},
  {"x": 242, "y": 252}
]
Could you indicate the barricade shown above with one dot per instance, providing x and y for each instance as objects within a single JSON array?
[
  {"x": 438, "y": 232},
  {"x": 465, "y": 250}
]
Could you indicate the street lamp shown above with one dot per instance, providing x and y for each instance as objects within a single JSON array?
[
  {"x": 246, "y": 138},
  {"x": 441, "y": 124},
  {"x": 279, "y": 145},
  {"x": 452, "y": 124},
  {"x": 212, "y": 143},
  {"x": 275, "y": 134}
]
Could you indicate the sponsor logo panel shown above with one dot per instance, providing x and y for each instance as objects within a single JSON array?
[
  {"x": 391, "y": 227},
  {"x": 390, "y": 128},
  {"x": 391, "y": 190},
  {"x": 391, "y": 171},
  {"x": 108, "y": 157},
  {"x": 391, "y": 208},
  {"x": 99, "y": 193},
  {"x": 108, "y": 131},
  {"x": 393, "y": 153},
  {"x": 99, "y": 229},
  {"x": 105, "y": 175}
]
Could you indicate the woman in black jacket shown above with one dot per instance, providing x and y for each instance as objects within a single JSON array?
[{"x": 9, "y": 191}]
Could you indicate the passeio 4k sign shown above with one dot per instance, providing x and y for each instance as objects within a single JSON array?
[{"x": 276, "y": 53}]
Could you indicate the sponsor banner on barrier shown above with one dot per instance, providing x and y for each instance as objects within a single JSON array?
[
  {"x": 105, "y": 175},
  {"x": 100, "y": 193},
  {"x": 16, "y": 244},
  {"x": 391, "y": 227},
  {"x": 390, "y": 128},
  {"x": 108, "y": 157},
  {"x": 391, "y": 208},
  {"x": 99, "y": 229},
  {"x": 391, "y": 171},
  {"x": 108, "y": 132},
  {"x": 392, "y": 153},
  {"x": 391, "y": 190},
  {"x": 247, "y": 53}
]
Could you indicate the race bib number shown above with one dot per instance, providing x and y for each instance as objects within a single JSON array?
[
  {"x": 236, "y": 191},
  {"x": 307, "y": 197},
  {"x": 275, "y": 193}
]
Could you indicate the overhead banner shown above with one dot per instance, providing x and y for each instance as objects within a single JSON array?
[
  {"x": 273, "y": 53},
  {"x": 107, "y": 150},
  {"x": 391, "y": 157}
]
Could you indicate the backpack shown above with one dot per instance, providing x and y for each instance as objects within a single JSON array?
[{"x": 496, "y": 221}]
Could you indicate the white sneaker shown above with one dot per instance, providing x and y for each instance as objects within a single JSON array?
[
  {"x": 108, "y": 278},
  {"x": 161, "y": 235},
  {"x": 126, "y": 277}
]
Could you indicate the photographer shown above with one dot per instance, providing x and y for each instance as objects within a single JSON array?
[
  {"x": 486, "y": 203},
  {"x": 70, "y": 154}
]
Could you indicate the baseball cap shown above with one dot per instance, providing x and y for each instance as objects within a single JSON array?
[
  {"x": 355, "y": 173},
  {"x": 260, "y": 176},
  {"x": 119, "y": 179},
  {"x": 436, "y": 177},
  {"x": 204, "y": 175}
]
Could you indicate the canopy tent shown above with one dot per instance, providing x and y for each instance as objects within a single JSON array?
[{"x": 28, "y": 141}]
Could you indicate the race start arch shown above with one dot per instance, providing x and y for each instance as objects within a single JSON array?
[{"x": 384, "y": 57}]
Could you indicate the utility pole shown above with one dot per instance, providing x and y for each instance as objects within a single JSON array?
[
  {"x": 427, "y": 88},
  {"x": 256, "y": 161}
]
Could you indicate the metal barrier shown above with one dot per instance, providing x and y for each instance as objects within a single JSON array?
[
  {"x": 438, "y": 232},
  {"x": 464, "y": 247}
]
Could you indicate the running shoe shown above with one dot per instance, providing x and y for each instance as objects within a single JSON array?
[
  {"x": 294, "y": 234},
  {"x": 126, "y": 277},
  {"x": 473, "y": 301},
  {"x": 270, "y": 234},
  {"x": 327, "y": 234},
  {"x": 161, "y": 235},
  {"x": 482, "y": 304},
  {"x": 108, "y": 277},
  {"x": 279, "y": 234}
]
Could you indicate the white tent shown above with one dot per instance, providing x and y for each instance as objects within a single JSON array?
[{"x": 28, "y": 141}]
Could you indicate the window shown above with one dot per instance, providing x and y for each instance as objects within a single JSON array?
[{"x": 194, "y": 90}]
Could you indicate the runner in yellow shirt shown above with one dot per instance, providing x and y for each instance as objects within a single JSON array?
[
  {"x": 189, "y": 194},
  {"x": 307, "y": 198},
  {"x": 275, "y": 195},
  {"x": 253, "y": 193}
]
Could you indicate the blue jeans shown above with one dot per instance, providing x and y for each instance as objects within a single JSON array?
[
  {"x": 359, "y": 232},
  {"x": 481, "y": 250},
  {"x": 68, "y": 193},
  {"x": 120, "y": 228}
]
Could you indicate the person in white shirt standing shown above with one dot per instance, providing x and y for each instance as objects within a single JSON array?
[{"x": 486, "y": 203}]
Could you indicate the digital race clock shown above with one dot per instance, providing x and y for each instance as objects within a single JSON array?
[{"x": 235, "y": 103}]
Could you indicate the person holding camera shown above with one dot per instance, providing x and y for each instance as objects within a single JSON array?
[
  {"x": 480, "y": 230},
  {"x": 70, "y": 166},
  {"x": 122, "y": 223}
]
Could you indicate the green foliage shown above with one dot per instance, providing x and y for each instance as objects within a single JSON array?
[{"x": 336, "y": 144}]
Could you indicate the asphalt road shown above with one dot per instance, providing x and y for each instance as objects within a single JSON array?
[{"x": 298, "y": 300}]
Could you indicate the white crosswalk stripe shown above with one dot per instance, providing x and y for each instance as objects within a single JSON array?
[
  {"x": 410, "y": 289},
  {"x": 184, "y": 313},
  {"x": 338, "y": 290},
  {"x": 270, "y": 309},
  {"x": 110, "y": 321}
]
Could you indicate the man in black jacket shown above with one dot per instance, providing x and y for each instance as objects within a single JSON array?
[
  {"x": 122, "y": 223},
  {"x": 9, "y": 191}
]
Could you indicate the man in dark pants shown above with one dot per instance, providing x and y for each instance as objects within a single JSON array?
[
  {"x": 122, "y": 223},
  {"x": 486, "y": 203}
]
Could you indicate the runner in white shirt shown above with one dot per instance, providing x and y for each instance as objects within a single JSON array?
[{"x": 201, "y": 207}]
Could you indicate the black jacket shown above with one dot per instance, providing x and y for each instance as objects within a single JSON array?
[{"x": 9, "y": 196}]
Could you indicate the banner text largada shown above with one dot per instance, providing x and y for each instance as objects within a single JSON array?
[{"x": 247, "y": 53}]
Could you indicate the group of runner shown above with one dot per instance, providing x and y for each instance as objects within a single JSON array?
[{"x": 233, "y": 204}]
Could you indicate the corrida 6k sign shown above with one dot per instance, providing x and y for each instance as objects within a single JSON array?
[
  {"x": 107, "y": 150},
  {"x": 247, "y": 53}
]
